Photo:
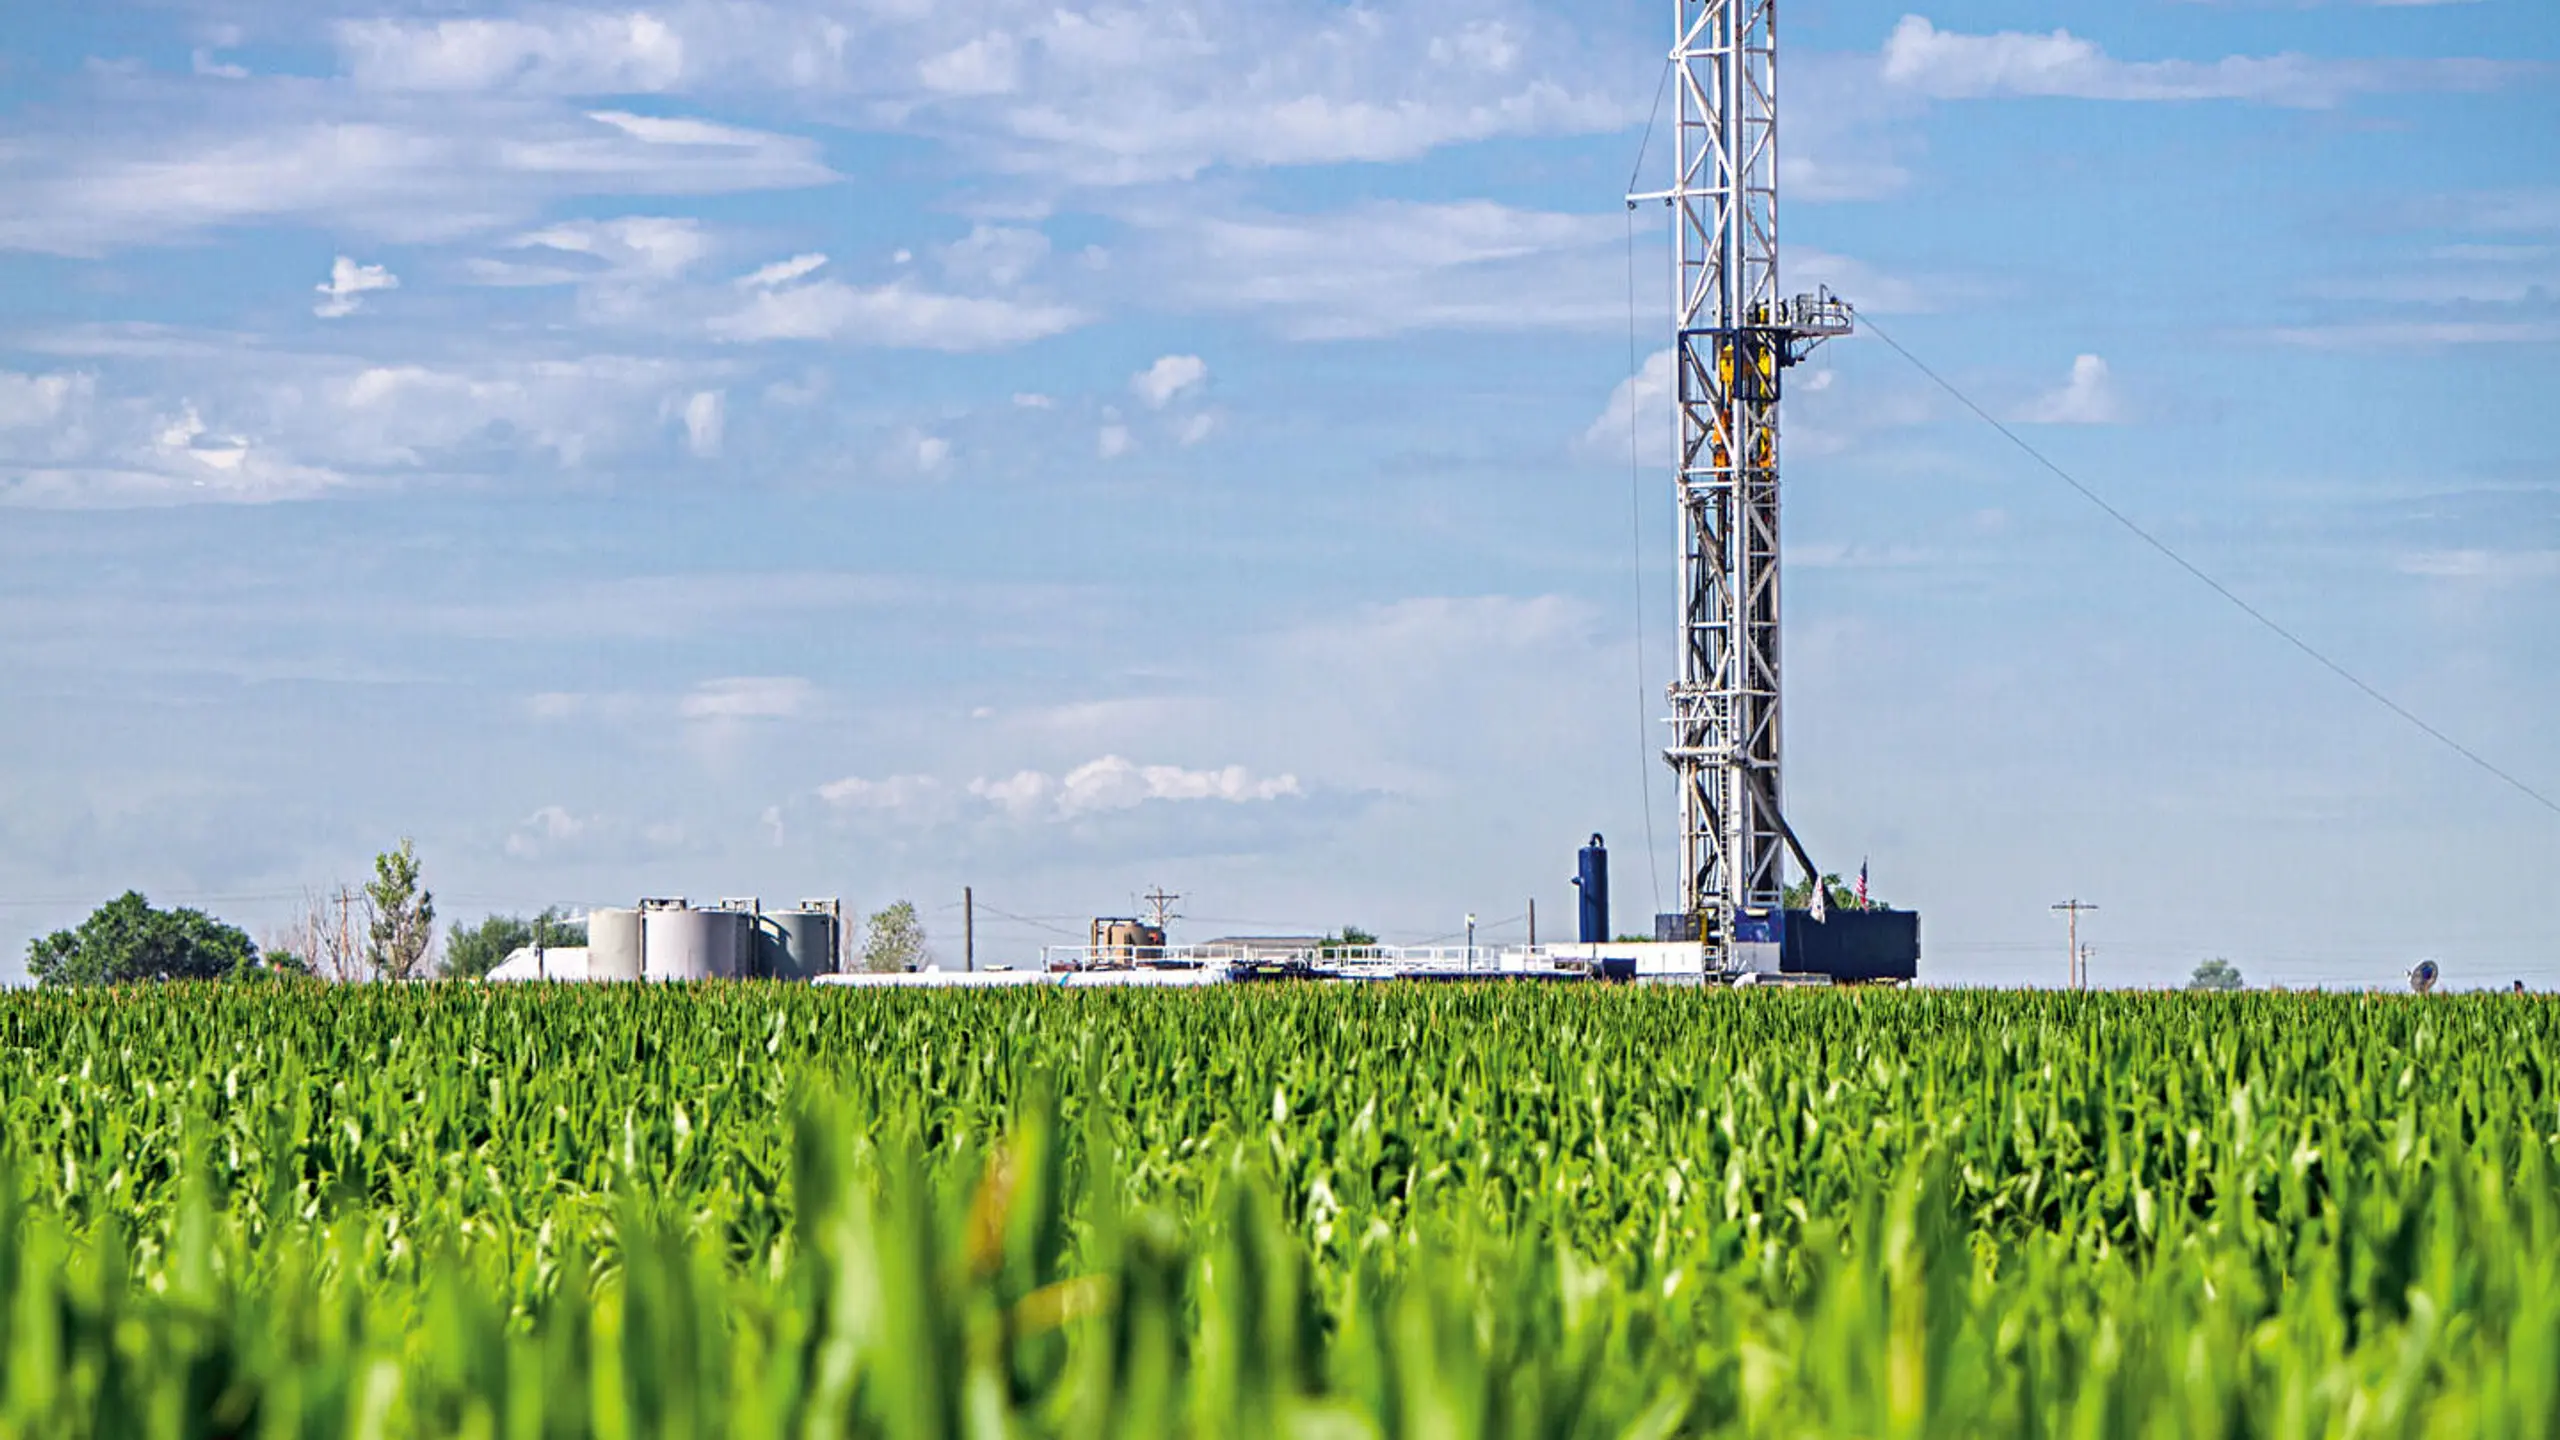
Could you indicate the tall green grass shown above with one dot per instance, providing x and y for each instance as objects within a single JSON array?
[{"x": 753, "y": 1211}]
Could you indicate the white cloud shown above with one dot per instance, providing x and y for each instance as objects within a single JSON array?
[
  {"x": 1114, "y": 783},
  {"x": 202, "y": 62},
  {"x": 164, "y": 169},
  {"x": 34, "y": 401},
  {"x": 1033, "y": 400},
  {"x": 585, "y": 53},
  {"x": 408, "y": 415},
  {"x": 665, "y": 130},
  {"x": 995, "y": 255},
  {"x": 2088, "y": 398},
  {"x": 987, "y": 65},
  {"x": 705, "y": 416},
  {"x": 1171, "y": 377},
  {"x": 895, "y": 793},
  {"x": 2488, "y": 567},
  {"x": 2385, "y": 335},
  {"x": 1196, "y": 428},
  {"x": 781, "y": 272},
  {"x": 1949, "y": 65},
  {"x": 545, "y": 831},
  {"x": 631, "y": 249},
  {"x": 749, "y": 697},
  {"x": 898, "y": 315},
  {"x": 1642, "y": 400},
  {"x": 1392, "y": 267},
  {"x": 1113, "y": 442},
  {"x": 347, "y": 281},
  {"x": 932, "y": 453}
]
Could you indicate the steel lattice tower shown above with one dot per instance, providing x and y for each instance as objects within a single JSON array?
[{"x": 1735, "y": 339}]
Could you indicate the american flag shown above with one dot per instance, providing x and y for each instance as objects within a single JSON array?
[{"x": 1862, "y": 884}]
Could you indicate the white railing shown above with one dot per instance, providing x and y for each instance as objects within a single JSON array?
[{"x": 1349, "y": 961}]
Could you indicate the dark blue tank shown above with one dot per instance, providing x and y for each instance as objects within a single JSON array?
[{"x": 1593, "y": 882}]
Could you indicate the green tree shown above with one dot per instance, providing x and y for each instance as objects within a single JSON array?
[
  {"x": 893, "y": 939},
  {"x": 1799, "y": 896},
  {"x": 404, "y": 915},
  {"x": 2215, "y": 974},
  {"x": 1349, "y": 937},
  {"x": 125, "y": 940},
  {"x": 475, "y": 952},
  {"x": 274, "y": 964}
]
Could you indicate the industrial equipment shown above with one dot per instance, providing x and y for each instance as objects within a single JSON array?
[
  {"x": 1735, "y": 336},
  {"x": 1591, "y": 877}
]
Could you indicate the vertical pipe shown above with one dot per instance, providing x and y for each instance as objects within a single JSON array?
[{"x": 969, "y": 927}]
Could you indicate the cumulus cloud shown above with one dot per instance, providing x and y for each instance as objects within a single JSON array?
[
  {"x": 932, "y": 453},
  {"x": 1113, "y": 441},
  {"x": 998, "y": 256},
  {"x": 545, "y": 831},
  {"x": 705, "y": 416},
  {"x": 1643, "y": 401},
  {"x": 1170, "y": 378},
  {"x": 1196, "y": 428},
  {"x": 2088, "y": 398},
  {"x": 1115, "y": 783},
  {"x": 1950, "y": 65},
  {"x": 340, "y": 294},
  {"x": 987, "y": 65},
  {"x": 34, "y": 401}
]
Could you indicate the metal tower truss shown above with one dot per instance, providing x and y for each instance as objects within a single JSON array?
[{"x": 1735, "y": 339}]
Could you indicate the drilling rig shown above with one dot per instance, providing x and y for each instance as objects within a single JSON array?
[{"x": 1735, "y": 337}]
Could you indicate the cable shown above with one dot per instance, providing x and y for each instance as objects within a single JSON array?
[
  {"x": 1635, "y": 510},
  {"x": 2218, "y": 588}
]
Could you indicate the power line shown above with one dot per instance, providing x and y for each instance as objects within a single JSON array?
[
  {"x": 2218, "y": 588},
  {"x": 1635, "y": 508}
]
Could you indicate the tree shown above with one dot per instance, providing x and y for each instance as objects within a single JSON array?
[
  {"x": 404, "y": 916},
  {"x": 1349, "y": 937},
  {"x": 893, "y": 939},
  {"x": 2215, "y": 974},
  {"x": 475, "y": 952},
  {"x": 1799, "y": 896},
  {"x": 275, "y": 963},
  {"x": 125, "y": 940}
]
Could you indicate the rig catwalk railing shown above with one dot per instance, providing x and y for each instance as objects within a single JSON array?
[{"x": 1087, "y": 966}]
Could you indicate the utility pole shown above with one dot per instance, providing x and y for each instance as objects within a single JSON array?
[
  {"x": 1533, "y": 922},
  {"x": 968, "y": 928},
  {"x": 2073, "y": 908},
  {"x": 1471, "y": 940},
  {"x": 1162, "y": 904}
]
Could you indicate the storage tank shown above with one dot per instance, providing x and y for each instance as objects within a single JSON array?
[
  {"x": 613, "y": 944},
  {"x": 796, "y": 944},
  {"x": 692, "y": 944}
]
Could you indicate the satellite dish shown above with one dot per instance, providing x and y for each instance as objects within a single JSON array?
[{"x": 2422, "y": 976}]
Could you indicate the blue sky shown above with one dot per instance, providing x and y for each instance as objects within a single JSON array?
[{"x": 868, "y": 447}]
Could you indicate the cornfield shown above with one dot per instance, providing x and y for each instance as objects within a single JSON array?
[{"x": 742, "y": 1210}]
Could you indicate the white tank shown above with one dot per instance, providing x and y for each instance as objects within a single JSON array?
[
  {"x": 613, "y": 944},
  {"x": 692, "y": 944},
  {"x": 796, "y": 944}
]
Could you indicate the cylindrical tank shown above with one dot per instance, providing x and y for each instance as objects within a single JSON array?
[
  {"x": 693, "y": 944},
  {"x": 1594, "y": 885},
  {"x": 613, "y": 944},
  {"x": 796, "y": 944}
]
